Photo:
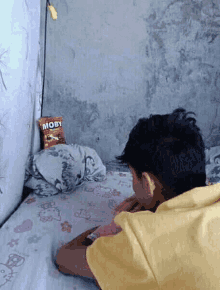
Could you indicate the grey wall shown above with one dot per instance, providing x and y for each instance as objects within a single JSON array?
[
  {"x": 109, "y": 63},
  {"x": 19, "y": 72}
]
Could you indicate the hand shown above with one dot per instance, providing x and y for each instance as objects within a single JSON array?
[
  {"x": 130, "y": 204},
  {"x": 108, "y": 230},
  {"x": 79, "y": 240}
]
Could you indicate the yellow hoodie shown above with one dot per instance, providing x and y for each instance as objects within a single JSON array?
[{"x": 175, "y": 248}]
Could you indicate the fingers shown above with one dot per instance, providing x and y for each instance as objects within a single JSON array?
[
  {"x": 121, "y": 206},
  {"x": 131, "y": 198},
  {"x": 127, "y": 204},
  {"x": 80, "y": 239},
  {"x": 106, "y": 230},
  {"x": 136, "y": 209},
  {"x": 139, "y": 207}
]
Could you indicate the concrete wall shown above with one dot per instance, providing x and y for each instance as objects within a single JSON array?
[
  {"x": 19, "y": 89},
  {"x": 108, "y": 63}
]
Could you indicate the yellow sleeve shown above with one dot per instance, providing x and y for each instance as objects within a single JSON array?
[{"x": 118, "y": 262}]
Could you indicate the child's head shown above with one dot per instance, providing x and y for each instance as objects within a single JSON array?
[{"x": 170, "y": 149}]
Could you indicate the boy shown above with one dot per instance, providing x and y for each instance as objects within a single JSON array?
[{"x": 175, "y": 242}]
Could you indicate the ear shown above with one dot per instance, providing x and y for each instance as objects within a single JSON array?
[
  {"x": 148, "y": 183},
  {"x": 153, "y": 186}
]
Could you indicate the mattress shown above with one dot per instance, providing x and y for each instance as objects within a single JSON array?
[
  {"x": 48, "y": 219},
  {"x": 41, "y": 225}
]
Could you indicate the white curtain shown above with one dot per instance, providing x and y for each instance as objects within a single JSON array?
[{"x": 20, "y": 94}]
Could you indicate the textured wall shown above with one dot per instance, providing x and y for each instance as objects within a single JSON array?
[
  {"x": 111, "y": 62},
  {"x": 19, "y": 49}
]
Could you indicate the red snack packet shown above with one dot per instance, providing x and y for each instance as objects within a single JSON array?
[{"x": 52, "y": 131}]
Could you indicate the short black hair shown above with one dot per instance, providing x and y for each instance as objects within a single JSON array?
[{"x": 170, "y": 147}]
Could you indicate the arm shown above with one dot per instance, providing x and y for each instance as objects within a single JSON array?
[
  {"x": 73, "y": 262},
  {"x": 65, "y": 253},
  {"x": 80, "y": 240},
  {"x": 130, "y": 204},
  {"x": 75, "y": 250}
]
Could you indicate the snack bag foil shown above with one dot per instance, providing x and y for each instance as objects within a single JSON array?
[{"x": 52, "y": 131}]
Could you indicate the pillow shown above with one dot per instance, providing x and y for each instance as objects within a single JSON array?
[
  {"x": 213, "y": 165},
  {"x": 62, "y": 168}
]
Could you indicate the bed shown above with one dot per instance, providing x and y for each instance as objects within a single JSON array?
[{"x": 55, "y": 213}]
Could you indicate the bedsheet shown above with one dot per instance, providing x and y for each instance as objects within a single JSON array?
[{"x": 30, "y": 239}]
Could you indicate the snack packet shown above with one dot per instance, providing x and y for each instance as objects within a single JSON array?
[{"x": 51, "y": 131}]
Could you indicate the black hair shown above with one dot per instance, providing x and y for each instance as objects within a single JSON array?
[{"x": 170, "y": 147}]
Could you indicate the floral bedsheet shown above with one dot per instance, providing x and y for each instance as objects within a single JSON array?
[
  {"x": 31, "y": 237},
  {"x": 51, "y": 217}
]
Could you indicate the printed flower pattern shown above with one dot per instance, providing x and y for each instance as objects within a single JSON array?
[
  {"x": 13, "y": 242},
  {"x": 66, "y": 227}
]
